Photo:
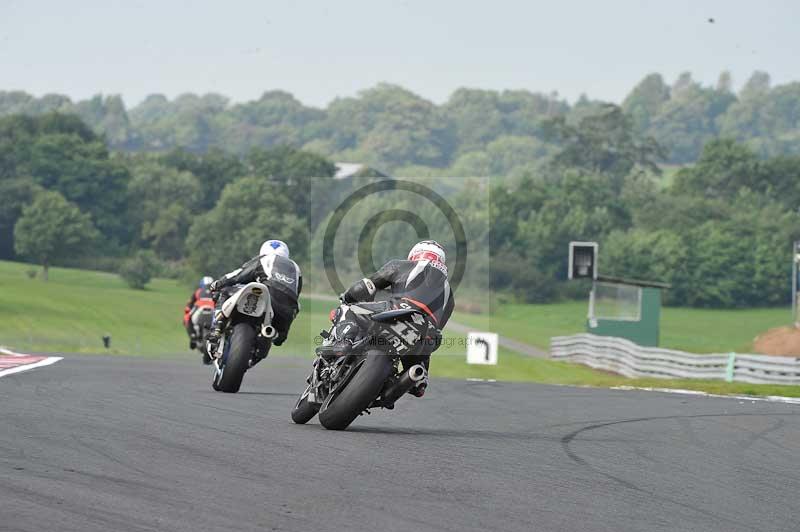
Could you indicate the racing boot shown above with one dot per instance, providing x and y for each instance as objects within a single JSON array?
[
  {"x": 261, "y": 351},
  {"x": 215, "y": 335}
]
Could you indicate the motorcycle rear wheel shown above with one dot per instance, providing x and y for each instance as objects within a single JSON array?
[
  {"x": 242, "y": 340},
  {"x": 339, "y": 411}
]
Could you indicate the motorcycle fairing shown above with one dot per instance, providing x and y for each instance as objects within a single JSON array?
[{"x": 251, "y": 300}]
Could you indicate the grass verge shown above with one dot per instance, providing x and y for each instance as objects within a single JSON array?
[
  {"x": 685, "y": 329},
  {"x": 72, "y": 311}
]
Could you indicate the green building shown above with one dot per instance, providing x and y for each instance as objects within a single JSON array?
[{"x": 626, "y": 308}]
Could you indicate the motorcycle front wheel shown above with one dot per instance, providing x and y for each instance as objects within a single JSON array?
[{"x": 303, "y": 411}]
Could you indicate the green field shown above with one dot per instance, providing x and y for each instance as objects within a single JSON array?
[
  {"x": 72, "y": 311},
  {"x": 686, "y": 329}
]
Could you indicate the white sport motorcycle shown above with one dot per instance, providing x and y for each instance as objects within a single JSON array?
[{"x": 246, "y": 338}]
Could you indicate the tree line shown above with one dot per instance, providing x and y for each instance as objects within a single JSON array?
[
  {"x": 719, "y": 230},
  {"x": 68, "y": 200},
  {"x": 475, "y": 132}
]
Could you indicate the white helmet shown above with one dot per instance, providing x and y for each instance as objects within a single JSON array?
[
  {"x": 274, "y": 247},
  {"x": 205, "y": 281},
  {"x": 427, "y": 250}
]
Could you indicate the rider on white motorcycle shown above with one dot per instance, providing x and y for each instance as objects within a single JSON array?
[
  {"x": 282, "y": 277},
  {"x": 420, "y": 281}
]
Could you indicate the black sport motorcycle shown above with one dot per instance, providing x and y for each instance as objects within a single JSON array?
[{"x": 357, "y": 366}]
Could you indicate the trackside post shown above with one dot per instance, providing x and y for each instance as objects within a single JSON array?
[{"x": 730, "y": 367}]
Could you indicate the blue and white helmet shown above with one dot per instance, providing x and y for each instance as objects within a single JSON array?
[
  {"x": 205, "y": 281},
  {"x": 274, "y": 247}
]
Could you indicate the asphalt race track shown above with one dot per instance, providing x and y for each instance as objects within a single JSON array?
[{"x": 127, "y": 444}]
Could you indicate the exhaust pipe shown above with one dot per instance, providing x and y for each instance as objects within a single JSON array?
[
  {"x": 407, "y": 380},
  {"x": 417, "y": 372},
  {"x": 268, "y": 331}
]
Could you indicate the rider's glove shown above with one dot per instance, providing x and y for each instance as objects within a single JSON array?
[
  {"x": 363, "y": 290},
  {"x": 215, "y": 286}
]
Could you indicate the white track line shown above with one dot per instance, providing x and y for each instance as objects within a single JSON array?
[
  {"x": 678, "y": 391},
  {"x": 765, "y": 398},
  {"x": 18, "y": 369}
]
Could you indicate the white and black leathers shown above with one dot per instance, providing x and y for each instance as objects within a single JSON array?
[{"x": 284, "y": 280}]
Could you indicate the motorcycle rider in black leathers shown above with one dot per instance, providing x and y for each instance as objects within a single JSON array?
[
  {"x": 420, "y": 281},
  {"x": 283, "y": 278}
]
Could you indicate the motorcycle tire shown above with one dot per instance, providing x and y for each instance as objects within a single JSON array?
[
  {"x": 242, "y": 340},
  {"x": 343, "y": 408},
  {"x": 303, "y": 411}
]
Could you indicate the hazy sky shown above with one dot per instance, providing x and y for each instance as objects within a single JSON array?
[{"x": 322, "y": 49}]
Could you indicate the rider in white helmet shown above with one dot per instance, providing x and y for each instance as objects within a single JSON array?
[
  {"x": 283, "y": 278},
  {"x": 421, "y": 280}
]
